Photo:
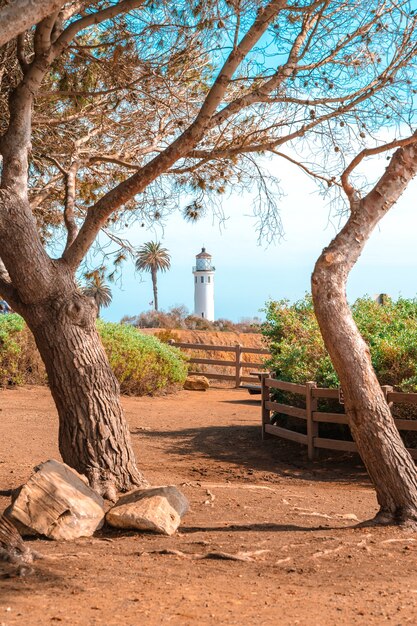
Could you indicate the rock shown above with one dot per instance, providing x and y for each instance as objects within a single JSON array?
[
  {"x": 56, "y": 502},
  {"x": 158, "y": 509},
  {"x": 196, "y": 383},
  {"x": 349, "y": 516}
]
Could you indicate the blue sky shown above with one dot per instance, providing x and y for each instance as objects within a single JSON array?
[{"x": 248, "y": 274}]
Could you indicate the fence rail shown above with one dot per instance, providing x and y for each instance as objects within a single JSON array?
[
  {"x": 236, "y": 362},
  {"x": 313, "y": 417}
]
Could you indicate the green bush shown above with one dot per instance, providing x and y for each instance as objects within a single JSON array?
[
  {"x": 298, "y": 353},
  {"x": 20, "y": 362},
  {"x": 142, "y": 364},
  {"x": 11, "y": 327}
]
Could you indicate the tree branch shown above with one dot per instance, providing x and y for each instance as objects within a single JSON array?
[
  {"x": 329, "y": 181},
  {"x": 7, "y": 290},
  {"x": 20, "y": 15},
  {"x": 20, "y": 53},
  {"x": 91, "y": 19},
  {"x": 348, "y": 188},
  {"x": 69, "y": 219},
  {"x": 98, "y": 214},
  {"x": 55, "y": 162}
]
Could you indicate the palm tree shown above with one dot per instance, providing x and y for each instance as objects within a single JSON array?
[
  {"x": 98, "y": 289},
  {"x": 153, "y": 258}
]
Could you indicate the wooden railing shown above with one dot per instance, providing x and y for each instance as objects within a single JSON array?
[
  {"x": 313, "y": 417},
  {"x": 236, "y": 362}
]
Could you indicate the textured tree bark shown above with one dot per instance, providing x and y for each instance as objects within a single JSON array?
[
  {"x": 387, "y": 461},
  {"x": 93, "y": 435},
  {"x": 20, "y": 15}
]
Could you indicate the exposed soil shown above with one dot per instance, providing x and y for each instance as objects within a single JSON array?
[
  {"x": 218, "y": 338},
  {"x": 246, "y": 495},
  {"x": 212, "y": 337}
]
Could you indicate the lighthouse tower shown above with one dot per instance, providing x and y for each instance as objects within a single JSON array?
[{"x": 204, "y": 286}]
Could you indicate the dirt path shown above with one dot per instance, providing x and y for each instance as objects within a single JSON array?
[{"x": 315, "y": 568}]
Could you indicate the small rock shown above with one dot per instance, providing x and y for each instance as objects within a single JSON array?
[
  {"x": 196, "y": 383},
  {"x": 158, "y": 509},
  {"x": 56, "y": 502}
]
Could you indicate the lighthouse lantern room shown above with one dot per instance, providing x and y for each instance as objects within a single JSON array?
[{"x": 203, "y": 272}]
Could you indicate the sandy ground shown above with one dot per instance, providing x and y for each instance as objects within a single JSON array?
[{"x": 246, "y": 495}]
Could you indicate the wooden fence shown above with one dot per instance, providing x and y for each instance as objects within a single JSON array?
[
  {"x": 235, "y": 362},
  {"x": 313, "y": 417}
]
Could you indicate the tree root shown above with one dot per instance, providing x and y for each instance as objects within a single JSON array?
[
  {"x": 108, "y": 485},
  {"x": 402, "y": 518}
]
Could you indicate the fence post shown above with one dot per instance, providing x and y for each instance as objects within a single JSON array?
[
  {"x": 312, "y": 426},
  {"x": 238, "y": 350},
  {"x": 386, "y": 389},
  {"x": 266, "y": 413}
]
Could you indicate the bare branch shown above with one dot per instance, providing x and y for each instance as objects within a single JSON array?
[
  {"x": 91, "y": 19},
  {"x": 396, "y": 143},
  {"x": 307, "y": 170},
  {"x": 57, "y": 164}
]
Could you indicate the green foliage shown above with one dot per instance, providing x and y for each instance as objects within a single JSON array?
[
  {"x": 142, "y": 364},
  {"x": 19, "y": 359},
  {"x": 97, "y": 288},
  {"x": 152, "y": 257},
  {"x": 10, "y": 328},
  {"x": 298, "y": 353}
]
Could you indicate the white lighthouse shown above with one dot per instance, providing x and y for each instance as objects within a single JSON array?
[{"x": 204, "y": 286}]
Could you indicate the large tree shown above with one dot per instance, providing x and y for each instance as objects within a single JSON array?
[
  {"x": 109, "y": 108},
  {"x": 390, "y": 466}
]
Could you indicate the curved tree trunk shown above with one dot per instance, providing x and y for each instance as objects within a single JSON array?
[
  {"x": 387, "y": 461},
  {"x": 155, "y": 289},
  {"x": 93, "y": 435}
]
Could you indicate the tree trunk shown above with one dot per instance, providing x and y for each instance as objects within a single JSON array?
[
  {"x": 387, "y": 461},
  {"x": 155, "y": 289},
  {"x": 93, "y": 436}
]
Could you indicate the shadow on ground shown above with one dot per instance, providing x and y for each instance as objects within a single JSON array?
[{"x": 241, "y": 447}]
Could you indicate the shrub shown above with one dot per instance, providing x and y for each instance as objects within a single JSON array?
[
  {"x": 20, "y": 362},
  {"x": 142, "y": 364},
  {"x": 298, "y": 353},
  {"x": 166, "y": 335},
  {"x": 178, "y": 318}
]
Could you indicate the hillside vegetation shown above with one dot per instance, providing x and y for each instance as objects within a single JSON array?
[
  {"x": 179, "y": 318},
  {"x": 142, "y": 364}
]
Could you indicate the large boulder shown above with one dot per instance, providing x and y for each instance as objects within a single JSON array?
[
  {"x": 158, "y": 509},
  {"x": 58, "y": 503},
  {"x": 196, "y": 383}
]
